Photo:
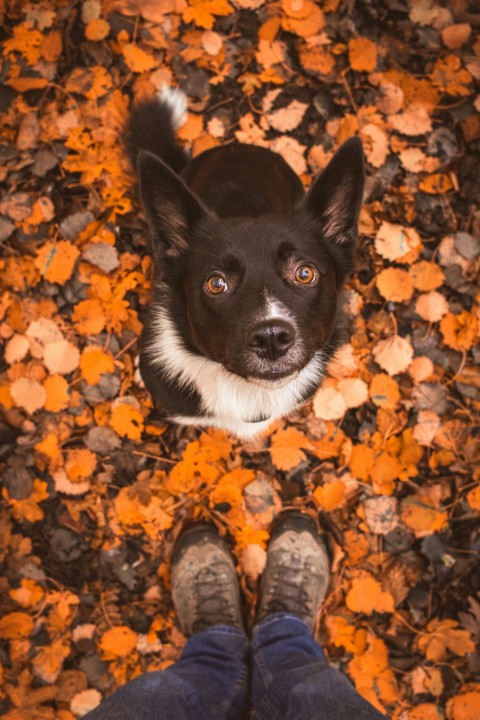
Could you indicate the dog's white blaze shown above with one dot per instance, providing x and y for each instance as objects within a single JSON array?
[
  {"x": 177, "y": 102},
  {"x": 276, "y": 309},
  {"x": 230, "y": 400}
]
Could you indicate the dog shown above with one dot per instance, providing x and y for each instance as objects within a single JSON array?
[{"x": 248, "y": 272}]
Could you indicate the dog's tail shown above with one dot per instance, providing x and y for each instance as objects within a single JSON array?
[{"x": 152, "y": 126}]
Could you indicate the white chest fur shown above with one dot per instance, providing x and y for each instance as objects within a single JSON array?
[{"x": 228, "y": 401}]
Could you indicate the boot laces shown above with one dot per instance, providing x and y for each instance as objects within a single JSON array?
[
  {"x": 212, "y": 589},
  {"x": 288, "y": 593}
]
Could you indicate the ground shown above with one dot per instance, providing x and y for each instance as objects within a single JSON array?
[{"x": 96, "y": 487}]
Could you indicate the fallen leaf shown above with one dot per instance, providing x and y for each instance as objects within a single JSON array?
[
  {"x": 61, "y": 357},
  {"x": 442, "y": 636},
  {"x": 329, "y": 403},
  {"x": 362, "y": 54},
  {"x": 56, "y": 261},
  {"x": 127, "y": 421},
  {"x": 395, "y": 284},
  {"x": 431, "y": 306},
  {"x": 393, "y": 354},
  {"x": 394, "y": 242},
  {"x": 366, "y": 595},
  {"x": 28, "y": 394},
  {"x": 94, "y": 362},
  {"x": 287, "y": 448},
  {"x": 421, "y": 516}
]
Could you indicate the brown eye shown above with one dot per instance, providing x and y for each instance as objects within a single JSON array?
[
  {"x": 305, "y": 274},
  {"x": 216, "y": 285}
]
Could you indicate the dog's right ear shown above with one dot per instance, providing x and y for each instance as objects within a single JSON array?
[{"x": 171, "y": 209}]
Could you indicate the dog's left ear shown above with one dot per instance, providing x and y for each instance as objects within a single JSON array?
[
  {"x": 335, "y": 198},
  {"x": 172, "y": 210}
]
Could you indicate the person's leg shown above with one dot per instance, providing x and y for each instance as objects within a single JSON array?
[
  {"x": 290, "y": 676},
  {"x": 210, "y": 680}
]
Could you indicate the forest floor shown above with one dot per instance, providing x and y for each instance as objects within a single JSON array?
[{"x": 96, "y": 487}]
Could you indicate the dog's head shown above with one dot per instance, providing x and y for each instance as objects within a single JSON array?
[{"x": 258, "y": 295}]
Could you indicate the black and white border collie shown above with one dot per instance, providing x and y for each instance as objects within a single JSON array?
[{"x": 248, "y": 272}]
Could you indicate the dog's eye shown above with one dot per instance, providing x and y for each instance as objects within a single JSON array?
[
  {"x": 216, "y": 284},
  {"x": 305, "y": 274}
]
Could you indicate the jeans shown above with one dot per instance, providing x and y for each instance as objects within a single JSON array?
[{"x": 289, "y": 680}]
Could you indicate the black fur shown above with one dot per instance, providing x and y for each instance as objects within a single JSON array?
[{"x": 239, "y": 212}]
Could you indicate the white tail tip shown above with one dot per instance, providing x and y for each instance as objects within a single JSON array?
[{"x": 177, "y": 102}]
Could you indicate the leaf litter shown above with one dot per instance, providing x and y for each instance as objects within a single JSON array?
[{"x": 96, "y": 487}]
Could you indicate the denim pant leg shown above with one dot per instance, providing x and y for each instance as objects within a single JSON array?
[
  {"x": 291, "y": 678},
  {"x": 208, "y": 682}
]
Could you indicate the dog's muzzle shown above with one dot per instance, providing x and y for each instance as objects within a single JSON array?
[{"x": 270, "y": 340}]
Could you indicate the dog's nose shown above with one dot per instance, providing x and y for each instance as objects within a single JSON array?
[{"x": 271, "y": 340}]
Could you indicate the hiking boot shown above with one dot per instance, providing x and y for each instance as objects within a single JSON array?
[
  {"x": 205, "y": 587},
  {"x": 297, "y": 572}
]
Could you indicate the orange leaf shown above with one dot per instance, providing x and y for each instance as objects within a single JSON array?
[
  {"x": 372, "y": 675},
  {"x": 425, "y": 711},
  {"x": 361, "y": 461},
  {"x": 426, "y": 276},
  {"x": 366, "y": 595},
  {"x": 80, "y": 464},
  {"x": 384, "y": 391},
  {"x": 202, "y": 12},
  {"x": 286, "y": 448},
  {"x": 362, "y": 54},
  {"x": 473, "y": 498},
  {"x": 395, "y": 284},
  {"x": 56, "y": 260},
  {"x": 56, "y": 388},
  {"x": 137, "y": 59},
  {"x": 330, "y": 495},
  {"x": 421, "y": 516},
  {"x": 48, "y": 662},
  {"x": 436, "y": 184},
  {"x": 330, "y": 444},
  {"x": 88, "y": 317},
  {"x": 94, "y": 363},
  {"x": 117, "y": 642},
  {"x": 443, "y": 635},
  {"x": 127, "y": 421},
  {"x": 450, "y": 77},
  {"x": 459, "y": 331},
  {"x": 302, "y": 18},
  {"x": 28, "y": 594},
  {"x": 15, "y": 625},
  {"x": 342, "y": 633},
  {"x": 465, "y": 706},
  {"x": 97, "y": 29}
]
